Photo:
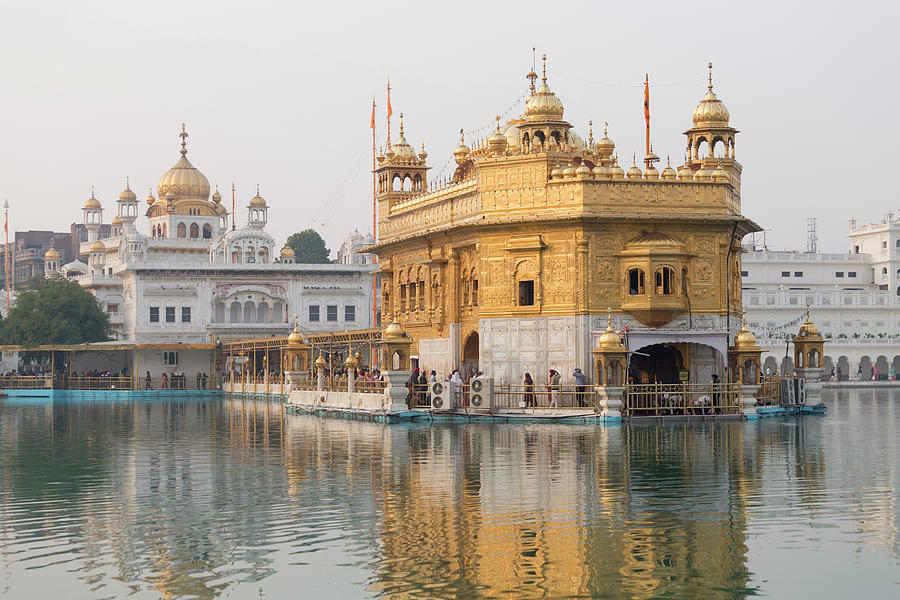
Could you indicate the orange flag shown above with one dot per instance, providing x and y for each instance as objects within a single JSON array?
[
  {"x": 372, "y": 125},
  {"x": 389, "y": 110},
  {"x": 647, "y": 110}
]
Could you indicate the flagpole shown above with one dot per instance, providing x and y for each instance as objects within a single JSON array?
[
  {"x": 232, "y": 206},
  {"x": 374, "y": 225},
  {"x": 647, "y": 117},
  {"x": 6, "y": 257},
  {"x": 389, "y": 112}
]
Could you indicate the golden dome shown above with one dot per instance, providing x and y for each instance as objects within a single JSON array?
[
  {"x": 651, "y": 173},
  {"x": 497, "y": 141},
  {"x": 257, "y": 200},
  {"x": 394, "y": 330},
  {"x": 711, "y": 111},
  {"x": 744, "y": 338},
  {"x": 601, "y": 172},
  {"x": 703, "y": 174},
  {"x": 719, "y": 175},
  {"x": 296, "y": 338},
  {"x": 461, "y": 152},
  {"x": 401, "y": 150},
  {"x": 127, "y": 195},
  {"x": 287, "y": 252},
  {"x": 583, "y": 170},
  {"x": 669, "y": 174},
  {"x": 217, "y": 197},
  {"x": 556, "y": 172},
  {"x": 117, "y": 220},
  {"x": 634, "y": 172},
  {"x": 543, "y": 105},
  {"x": 605, "y": 146},
  {"x": 609, "y": 339},
  {"x": 150, "y": 199},
  {"x": 685, "y": 172},
  {"x": 51, "y": 254},
  {"x": 616, "y": 172},
  {"x": 808, "y": 329},
  {"x": 320, "y": 362},
  {"x": 422, "y": 154},
  {"x": 569, "y": 171},
  {"x": 98, "y": 246},
  {"x": 350, "y": 362},
  {"x": 183, "y": 179},
  {"x": 92, "y": 202}
]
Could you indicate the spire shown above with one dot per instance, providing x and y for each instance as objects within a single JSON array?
[
  {"x": 544, "y": 59},
  {"x": 183, "y": 135},
  {"x": 590, "y": 134},
  {"x": 710, "y": 77},
  {"x": 532, "y": 76},
  {"x": 609, "y": 318},
  {"x": 127, "y": 183},
  {"x": 401, "y": 124}
]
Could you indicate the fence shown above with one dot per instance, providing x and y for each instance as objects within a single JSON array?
[
  {"x": 25, "y": 382},
  {"x": 769, "y": 392},
  {"x": 542, "y": 397},
  {"x": 682, "y": 399}
]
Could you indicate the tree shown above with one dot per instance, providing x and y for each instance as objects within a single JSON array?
[
  {"x": 54, "y": 311},
  {"x": 308, "y": 247}
]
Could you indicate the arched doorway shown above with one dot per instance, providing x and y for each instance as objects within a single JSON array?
[
  {"x": 470, "y": 355},
  {"x": 660, "y": 365}
]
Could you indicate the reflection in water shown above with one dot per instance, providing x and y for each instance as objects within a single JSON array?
[{"x": 204, "y": 499}]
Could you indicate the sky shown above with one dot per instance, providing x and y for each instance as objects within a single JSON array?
[{"x": 279, "y": 95}]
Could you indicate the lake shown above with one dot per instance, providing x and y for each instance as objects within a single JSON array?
[{"x": 232, "y": 499}]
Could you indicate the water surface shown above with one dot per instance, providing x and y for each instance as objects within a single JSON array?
[{"x": 230, "y": 499}]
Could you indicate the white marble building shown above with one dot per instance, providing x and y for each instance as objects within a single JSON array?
[
  {"x": 854, "y": 298},
  {"x": 194, "y": 279},
  {"x": 349, "y": 253}
]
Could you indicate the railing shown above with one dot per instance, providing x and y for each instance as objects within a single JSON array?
[
  {"x": 769, "y": 391},
  {"x": 541, "y": 396},
  {"x": 661, "y": 399},
  {"x": 373, "y": 386},
  {"x": 25, "y": 382},
  {"x": 99, "y": 383}
]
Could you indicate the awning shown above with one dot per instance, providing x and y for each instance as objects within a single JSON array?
[{"x": 715, "y": 338}]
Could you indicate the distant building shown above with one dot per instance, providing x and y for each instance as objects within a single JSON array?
[
  {"x": 854, "y": 298},
  {"x": 27, "y": 249},
  {"x": 349, "y": 253}
]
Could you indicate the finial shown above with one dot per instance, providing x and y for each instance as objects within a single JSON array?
[
  {"x": 710, "y": 77},
  {"x": 605, "y": 127},
  {"x": 183, "y": 135},
  {"x": 807, "y": 311},
  {"x": 531, "y": 74},
  {"x": 92, "y": 191},
  {"x": 461, "y": 134},
  {"x": 401, "y": 123},
  {"x": 296, "y": 322},
  {"x": 217, "y": 188},
  {"x": 127, "y": 183},
  {"x": 497, "y": 118},
  {"x": 609, "y": 317},
  {"x": 257, "y": 189},
  {"x": 668, "y": 161},
  {"x": 634, "y": 159},
  {"x": 544, "y": 59},
  {"x": 590, "y": 133}
]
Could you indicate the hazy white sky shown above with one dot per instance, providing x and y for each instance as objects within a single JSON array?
[{"x": 279, "y": 94}]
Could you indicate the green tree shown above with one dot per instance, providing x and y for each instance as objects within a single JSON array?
[
  {"x": 308, "y": 247},
  {"x": 54, "y": 311}
]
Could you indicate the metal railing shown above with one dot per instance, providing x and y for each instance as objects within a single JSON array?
[
  {"x": 120, "y": 382},
  {"x": 25, "y": 382},
  {"x": 661, "y": 399},
  {"x": 543, "y": 396},
  {"x": 769, "y": 392}
]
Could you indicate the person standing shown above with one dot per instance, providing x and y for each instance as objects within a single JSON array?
[
  {"x": 580, "y": 387},
  {"x": 148, "y": 382},
  {"x": 554, "y": 388},
  {"x": 529, "y": 391}
]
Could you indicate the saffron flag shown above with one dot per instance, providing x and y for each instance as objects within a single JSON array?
[
  {"x": 372, "y": 125},
  {"x": 647, "y": 98}
]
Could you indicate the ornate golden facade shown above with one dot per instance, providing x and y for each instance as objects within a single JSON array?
[{"x": 513, "y": 264}]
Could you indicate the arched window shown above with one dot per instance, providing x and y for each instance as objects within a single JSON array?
[
  {"x": 262, "y": 313},
  {"x": 182, "y": 230},
  {"x": 234, "y": 313},
  {"x": 236, "y": 255},
  {"x": 635, "y": 282},
  {"x": 396, "y": 183},
  {"x": 263, "y": 255},
  {"x": 249, "y": 312},
  {"x": 207, "y": 231},
  {"x": 665, "y": 279},
  {"x": 165, "y": 231},
  {"x": 195, "y": 230},
  {"x": 884, "y": 270}
]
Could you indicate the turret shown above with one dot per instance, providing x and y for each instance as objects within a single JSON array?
[
  {"x": 93, "y": 217},
  {"x": 51, "y": 261},
  {"x": 127, "y": 207},
  {"x": 257, "y": 215}
]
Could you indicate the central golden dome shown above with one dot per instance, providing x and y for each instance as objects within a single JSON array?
[
  {"x": 711, "y": 111},
  {"x": 543, "y": 105},
  {"x": 183, "y": 180}
]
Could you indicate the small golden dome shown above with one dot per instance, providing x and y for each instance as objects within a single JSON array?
[
  {"x": 685, "y": 172},
  {"x": 609, "y": 339},
  {"x": 543, "y": 105},
  {"x": 719, "y": 175},
  {"x": 117, "y": 220},
  {"x": 422, "y": 154},
  {"x": 601, "y": 172},
  {"x": 320, "y": 362},
  {"x": 217, "y": 197},
  {"x": 98, "y": 246},
  {"x": 287, "y": 252},
  {"x": 669, "y": 174},
  {"x": 51, "y": 254},
  {"x": 556, "y": 173},
  {"x": 569, "y": 171},
  {"x": 350, "y": 362},
  {"x": 583, "y": 171},
  {"x": 634, "y": 172},
  {"x": 127, "y": 195},
  {"x": 808, "y": 329},
  {"x": 605, "y": 146},
  {"x": 461, "y": 152},
  {"x": 711, "y": 111},
  {"x": 92, "y": 202},
  {"x": 295, "y": 338},
  {"x": 497, "y": 141},
  {"x": 257, "y": 200},
  {"x": 402, "y": 151},
  {"x": 703, "y": 174},
  {"x": 150, "y": 199},
  {"x": 616, "y": 172},
  {"x": 394, "y": 330},
  {"x": 651, "y": 173},
  {"x": 744, "y": 338}
]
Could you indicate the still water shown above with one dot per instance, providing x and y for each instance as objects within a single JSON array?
[{"x": 230, "y": 499}]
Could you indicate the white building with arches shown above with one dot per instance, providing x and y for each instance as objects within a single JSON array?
[
  {"x": 854, "y": 298},
  {"x": 192, "y": 278}
]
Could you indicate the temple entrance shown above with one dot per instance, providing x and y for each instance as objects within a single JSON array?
[
  {"x": 470, "y": 356},
  {"x": 661, "y": 364}
]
